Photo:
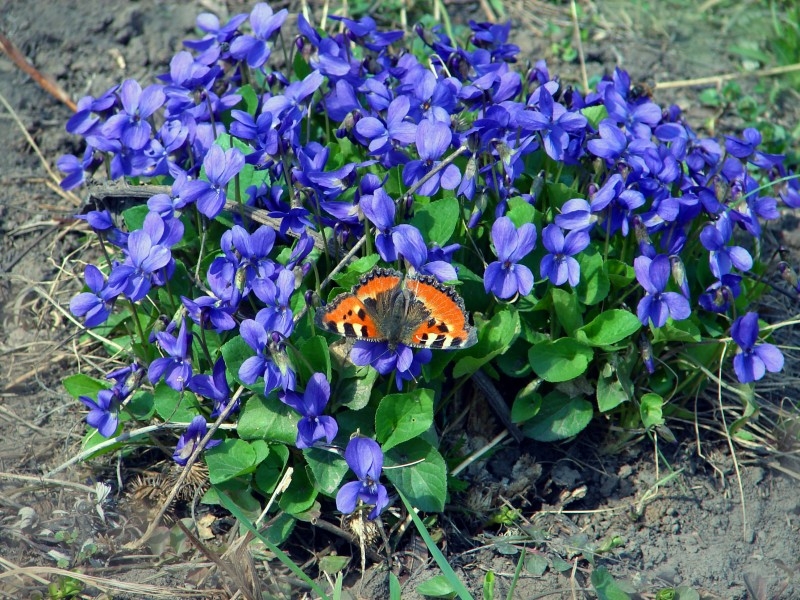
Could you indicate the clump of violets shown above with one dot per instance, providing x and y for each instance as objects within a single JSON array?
[{"x": 582, "y": 228}]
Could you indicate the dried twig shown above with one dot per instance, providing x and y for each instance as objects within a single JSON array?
[{"x": 50, "y": 86}]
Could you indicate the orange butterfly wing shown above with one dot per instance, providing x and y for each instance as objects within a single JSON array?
[
  {"x": 447, "y": 327},
  {"x": 347, "y": 314}
]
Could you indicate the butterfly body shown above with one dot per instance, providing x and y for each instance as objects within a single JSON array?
[{"x": 415, "y": 311}]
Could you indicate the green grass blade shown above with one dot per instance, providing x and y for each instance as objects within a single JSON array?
[
  {"x": 282, "y": 556},
  {"x": 441, "y": 561}
]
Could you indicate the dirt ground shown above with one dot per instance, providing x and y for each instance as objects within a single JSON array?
[{"x": 722, "y": 535}]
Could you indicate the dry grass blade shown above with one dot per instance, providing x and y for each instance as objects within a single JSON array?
[
  {"x": 50, "y": 86},
  {"x": 139, "y": 590},
  {"x": 66, "y": 195}
]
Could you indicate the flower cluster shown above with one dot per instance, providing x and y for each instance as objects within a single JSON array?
[{"x": 447, "y": 162}]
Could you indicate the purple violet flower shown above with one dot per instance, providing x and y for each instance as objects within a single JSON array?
[
  {"x": 96, "y": 304},
  {"x": 505, "y": 277},
  {"x": 365, "y": 458},
  {"x": 254, "y": 48},
  {"x": 397, "y": 131},
  {"x": 719, "y": 295},
  {"x": 722, "y": 258},
  {"x": 270, "y": 361},
  {"x": 103, "y": 413},
  {"x": 221, "y": 166},
  {"x": 276, "y": 296},
  {"x": 752, "y": 361},
  {"x": 314, "y": 425},
  {"x": 658, "y": 304},
  {"x": 190, "y": 439},
  {"x": 554, "y": 122},
  {"x": 214, "y": 387},
  {"x": 144, "y": 259},
  {"x": 177, "y": 367},
  {"x": 433, "y": 139},
  {"x": 559, "y": 266},
  {"x": 130, "y": 126},
  {"x": 406, "y": 363}
]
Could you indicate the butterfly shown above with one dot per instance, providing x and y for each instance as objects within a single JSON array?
[{"x": 415, "y": 310}]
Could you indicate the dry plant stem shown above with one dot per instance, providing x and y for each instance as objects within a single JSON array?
[
  {"x": 186, "y": 470},
  {"x": 345, "y": 535},
  {"x": 14, "y": 417},
  {"x": 442, "y": 165},
  {"x": 579, "y": 46},
  {"x": 730, "y": 445},
  {"x": 9, "y": 566},
  {"x": 479, "y": 452},
  {"x": 50, "y": 86},
  {"x": 67, "y": 195},
  {"x": 497, "y": 403},
  {"x": 124, "y": 437},
  {"x": 228, "y": 568},
  {"x": 49, "y": 482},
  {"x": 718, "y": 79},
  {"x": 138, "y": 590},
  {"x": 75, "y": 322},
  {"x": 109, "y": 192}
]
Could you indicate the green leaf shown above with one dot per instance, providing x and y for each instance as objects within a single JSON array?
[
  {"x": 536, "y": 564},
  {"x": 250, "y": 99},
  {"x": 677, "y": 331},
  {"x": 230, "y": 459},
  {"x": 488, "y": 586},
  {"x": 174, "y": 406},
  {"x": 609, "y": 327},
  {"x": 328, "y": 468},
  {"x": 527, "y": 403},
  {"x": 494, "y": 338},
  {"x": 83, "y": 385},
  {"x": 395, "y": 590},
  {"x": 437, "y": 221},
  {"x": 558, "y": 193},
  {"x": 514, "y": 361},
  {"x": 354, "y": 393},
  {"x": 606, "y": 587},
  {"x": 595, "y": 114},
  {"x": 268, "y": 419},
  {"x": 569, "y": 314},
  {"x": 650, "y": 409},
  {"x": 280, "y": 528},
  {"x": 93, "y": 438},
  {"x": 421, "y": 474},
  {"x": 300, "y": 494},
  {"x": 401, "y": 417},
  {"x": 437, "y": 587},
  {"x": 520, "y": 211},
  {"x": 355, "y": 270},
  {"x": 559, "y": 418},
  {"x": 620, "y": 274},
  {"x": 332, "y": 563},
  {"x": 594, "y": 285},
  {"x": 316, "y": 358},
  {"x": 270, "y": 470},
  {"x": 134, "y": 216},
  {"x": 238, "y": 491},
  {"x": 235, "y": 352},
  {"x": 141, "y": 405},
  {"x": 560, "y": 360},
  {"x": 610, "y": 392}
]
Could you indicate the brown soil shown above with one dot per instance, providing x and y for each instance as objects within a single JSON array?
[{"x": 699, "y": 529}]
